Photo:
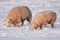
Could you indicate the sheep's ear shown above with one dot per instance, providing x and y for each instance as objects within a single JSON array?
[{"x": 10, "y": 19}]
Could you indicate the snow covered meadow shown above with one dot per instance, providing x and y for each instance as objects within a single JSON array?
[{"x": 25, "y": 32}]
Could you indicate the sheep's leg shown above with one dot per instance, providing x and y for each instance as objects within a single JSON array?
[
  {"x": 16, "y": 24},
  {"x": 22, "y": 22}
]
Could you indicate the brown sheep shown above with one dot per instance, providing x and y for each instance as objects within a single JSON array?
[
  {"x": 18, "y": 14},
  {"x": 44, "y": 18}
]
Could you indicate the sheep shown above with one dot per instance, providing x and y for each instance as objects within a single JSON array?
[
  {"x": 18, "y": 14},
  {"x": 44, "y": 18}
]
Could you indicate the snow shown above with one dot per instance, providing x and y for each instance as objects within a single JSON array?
[{"x": 25, "y": 32}]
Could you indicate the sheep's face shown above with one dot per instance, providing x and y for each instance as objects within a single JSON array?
[
  {"x": 34, "y": 26},
  {"x": 9, "y": 22}
]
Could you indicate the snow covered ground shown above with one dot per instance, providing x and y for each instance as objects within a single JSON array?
[{"x": 25, "y": 32}]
